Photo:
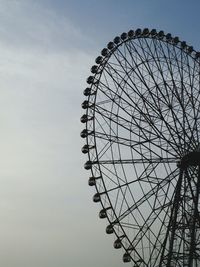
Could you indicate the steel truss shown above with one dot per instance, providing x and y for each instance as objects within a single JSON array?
[{"x": 142, "y": 130}]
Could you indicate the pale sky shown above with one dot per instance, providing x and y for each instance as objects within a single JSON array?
[{"x": 47, "y": 217}]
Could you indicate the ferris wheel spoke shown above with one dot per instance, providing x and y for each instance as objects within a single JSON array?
[
  {"x": 118, "y": 85},
  {"x": 146, "y": 177},
  {"x": 138, "y": 73},
  {"x": 146, "y": 64},
  {"x": 133, "y": 103},
  {"x": 191, "y": 76},
  {"x": 120, "y": 183},
  {"x": 143, "y": 177},
  {"x": 103, "y": 135},
  {"x": 135, "y": 85},
  {"x": 156, "y": 251},
  {"x": 181, "y": 130},
  {"x": 126, "y": 142},
  {"x": 121, "y": 140},
  {"x": 195, "y": 103},
  {"x": 157, "y": 97},
  {"x": 118, "y": 119},
  {"x": 150, "y": 69},
  {"x": 136, "y": 69},
  {"x": 132, "y": 86},
  {"x": 144, "y": 230},
  {"x": 163, "y": 136},
  {"x": 148, "y": 195},
  {"x": 191, "y": 183},
  {"x": 112, "y": 176},
  {"x": 182, "y": 98},
  {"x": 139, "y": 161},
  {"x": 196, "y": 107},
  {"x": 156, "y": 79},
  {"x": 175, "y": 119},
  {"x": 157, "y": 74},
  {"x": 172, "y": 132},
  {"x": 146, "y": 227},
  {"x": 183, "y": 105},
  {"x": 185, "y": 117},
  {"x": 106, "y": 145},
  {"x": 161, "y": 71}
]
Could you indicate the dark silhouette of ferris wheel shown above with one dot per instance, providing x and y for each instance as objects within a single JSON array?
[{"x": 142, "y": 132}]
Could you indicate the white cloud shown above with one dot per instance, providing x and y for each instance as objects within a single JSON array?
[
  {"x": 44, "y": 198},
  {"x": 42, "y": 71},
  {"x": 28, "y": 24}
]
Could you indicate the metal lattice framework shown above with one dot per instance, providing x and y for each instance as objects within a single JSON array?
[{"x": 142, "y": 138}]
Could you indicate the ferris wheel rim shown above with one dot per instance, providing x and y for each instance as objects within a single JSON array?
[{"x": 107, "y": 53}]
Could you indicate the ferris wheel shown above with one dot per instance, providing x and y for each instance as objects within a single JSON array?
[{"x": 142, "y": 132}]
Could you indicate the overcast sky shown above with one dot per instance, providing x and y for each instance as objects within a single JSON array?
[{"x": 47, "y": 217}]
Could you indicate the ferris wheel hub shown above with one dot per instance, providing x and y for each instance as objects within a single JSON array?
[{"x": 190, "y": 159}]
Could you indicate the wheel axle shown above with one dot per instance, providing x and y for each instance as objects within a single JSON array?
[{"x": 191, "y": 159}]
